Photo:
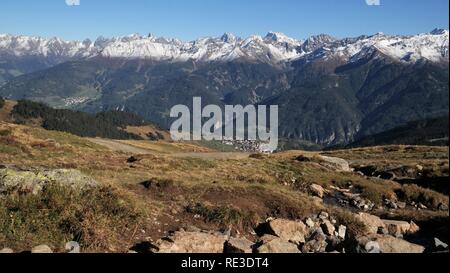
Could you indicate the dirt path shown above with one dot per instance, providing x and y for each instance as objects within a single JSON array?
[
  {"x": 127, "y": 148},
  {"x": 215, "y": 155},
  {"x": 120, "y": 147}
]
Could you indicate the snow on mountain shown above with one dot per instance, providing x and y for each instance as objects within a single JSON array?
[
  {"x": 273, "y": 48},
  {"x": 37, "y": 46},
  {"x": 431, "y": 46}
]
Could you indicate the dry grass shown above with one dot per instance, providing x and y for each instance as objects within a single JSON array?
[
  {"x": 98, "y": 219},
  {"x": 166, "y": 147},
  {"x": 5, "y": 111},
  {"x": 433, "y": 159},
  {"x": 224, "y": 191},
  {"x": 144, "y": 131},
  {"x": 414, "y": 193}
]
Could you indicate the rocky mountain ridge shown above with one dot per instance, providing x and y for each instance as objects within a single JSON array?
[{"x": 273, "y": 48}]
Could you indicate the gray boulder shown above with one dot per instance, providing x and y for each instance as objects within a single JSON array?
[{"x": 334, "y": 163}]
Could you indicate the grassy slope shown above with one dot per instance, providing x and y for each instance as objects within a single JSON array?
[{"x": 235, "y": 193}]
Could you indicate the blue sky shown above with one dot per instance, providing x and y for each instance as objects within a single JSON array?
[{"x": 190, "y": 19}]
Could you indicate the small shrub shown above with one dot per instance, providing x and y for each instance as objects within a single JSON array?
[
  {"x": 158, "y": 183},
  {"x": 96, "y": 218},
  {"x": 224, "y": 216},
  {"x": 258, "y": 156},
  {"x": 4, "y": 133},
  {"x": 414, "y": 193},
  {"x": 355, "y": 227}
]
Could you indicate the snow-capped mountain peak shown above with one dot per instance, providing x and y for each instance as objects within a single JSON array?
[
  {"x": 439, "y": 31},
  {"x": 431, "y": 46},
  {"x": 37, "y": 46},
  {"x": 228, "y": 37},
  {"x": 281, "y": 38},
  {"x": 275, "y": 47}
]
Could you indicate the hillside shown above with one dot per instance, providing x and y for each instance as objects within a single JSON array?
[
  {"x": 137, "y": 199},
  {"x": 329, "y": 91},
  {"x": 111, "y": 124},
  {"x": 423, "y": 132}
]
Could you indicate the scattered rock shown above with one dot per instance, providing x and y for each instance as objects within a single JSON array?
[
  {"x": 360, "y": 203},
  {"x": 391, "y": 204},
  {"x": 238, "y": 245},
  {"x": 323, "y": 215},
  {"x": 315, "y": 246},
  {"x": 317, "y": 243},
  {"x": 443, "y": 207},
  {"x": 342, "y": 231},
  {"x": 369, "y": 247},
  {"x": 383, "y": 230},
  {"x": 317, "y": 190},
  {"x": 278, "y": 245},
  {"x": 372, "y": 222},
  {"x": 401, "y": 205},
  {"x": 192, "y": 242},
  {"x": 318, "y": 235},
  {"x": 413, "y": 228},
  {"x": 422, "y": 206},
  {"x": 293, "y": 231},
  {"x": 6, "y": 251},
  {"x": 73, "y": 247},
  {"x": 397, "y": 228},
  {"x": 328, "y": 228},
  {"x": 41, "y": 249},
  {"x": 310, "y": 223},
  {"x": 336, "y": 164}
]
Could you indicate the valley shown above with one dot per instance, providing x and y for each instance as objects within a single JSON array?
[
  {"x": 87, "y": 163},
  {"x": 330, "y": 92}
]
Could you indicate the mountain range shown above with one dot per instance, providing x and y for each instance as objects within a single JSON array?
[{"x": 330, "y": 91}]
